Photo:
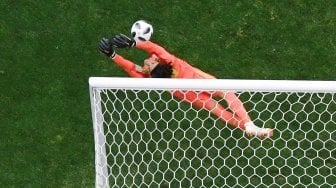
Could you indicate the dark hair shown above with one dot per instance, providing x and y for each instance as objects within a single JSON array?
[{"x": 162, "y": 70}]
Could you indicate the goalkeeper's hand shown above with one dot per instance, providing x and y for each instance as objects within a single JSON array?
[
  {"x": 122, "y": 41},
  {"x": 106, "y": 48}
]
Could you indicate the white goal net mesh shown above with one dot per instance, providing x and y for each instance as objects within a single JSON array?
[{"x": 148, "y": 138}]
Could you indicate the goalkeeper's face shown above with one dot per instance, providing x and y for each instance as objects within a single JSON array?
[{"x": 149, "y": 65}]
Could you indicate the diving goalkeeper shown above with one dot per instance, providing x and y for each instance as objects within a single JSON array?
[{"x": 162, "y": 64}]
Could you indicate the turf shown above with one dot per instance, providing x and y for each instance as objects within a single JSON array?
[{"x": 48, "y": 50}]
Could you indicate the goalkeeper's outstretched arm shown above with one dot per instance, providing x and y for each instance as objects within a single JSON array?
[
  {"x": 159, "y": 51},
  {"x": 129, "y": 67},
  {"x": 123, "y": 41}
]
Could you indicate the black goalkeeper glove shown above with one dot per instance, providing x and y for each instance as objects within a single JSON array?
[
  {"x": 105, "y": 47},
  {"x": 122, "y": 41}
]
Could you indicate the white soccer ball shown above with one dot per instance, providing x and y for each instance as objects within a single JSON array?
[{"x": 141, "y": 30}]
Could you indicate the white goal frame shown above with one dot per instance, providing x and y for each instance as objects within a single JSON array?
[{"x": 97, "y": 83}]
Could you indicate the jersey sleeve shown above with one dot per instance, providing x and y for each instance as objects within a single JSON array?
[
  {"x": 129, "y": 67},
  {"x": 159, "y": 51}
]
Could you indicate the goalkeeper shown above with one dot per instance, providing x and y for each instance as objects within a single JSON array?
[{"x": 162, "y": 64}]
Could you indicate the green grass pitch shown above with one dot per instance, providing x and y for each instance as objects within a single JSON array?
[{"x": 48, "y": 50}]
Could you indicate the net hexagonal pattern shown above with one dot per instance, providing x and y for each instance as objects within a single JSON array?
[{"x": 151, "y": 139}]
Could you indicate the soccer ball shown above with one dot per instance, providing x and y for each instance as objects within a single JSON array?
[{"x": 141, "y": 30}]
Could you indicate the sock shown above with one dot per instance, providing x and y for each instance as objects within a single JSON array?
[{"x": 251, "y": 127}]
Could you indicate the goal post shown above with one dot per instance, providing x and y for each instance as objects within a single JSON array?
[
  {"x": 146, "y": 137},
  {"x": 213, "y": 84}
]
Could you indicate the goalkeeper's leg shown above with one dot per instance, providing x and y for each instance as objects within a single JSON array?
[
  {"x": 238, "y": 108},
  {"x": 204, "y": 100},
  {"x": 235, "y": 105}
]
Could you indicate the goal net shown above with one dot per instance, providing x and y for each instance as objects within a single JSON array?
[{"x": 145, "y": 137}]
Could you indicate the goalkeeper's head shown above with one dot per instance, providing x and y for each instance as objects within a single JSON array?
[
  {"x": 162, "y": 70},
  {"x": 157, "y": 69}
]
